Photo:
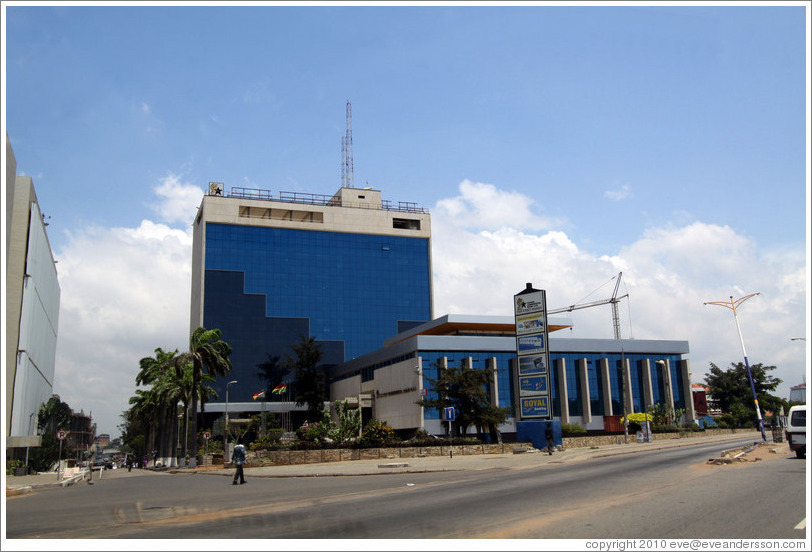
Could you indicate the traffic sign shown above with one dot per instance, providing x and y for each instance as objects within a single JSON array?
[
  {"x": 449, "y": 414},
  {"x": 61, "y": 434},
  {"x": 207, "y": 435}
]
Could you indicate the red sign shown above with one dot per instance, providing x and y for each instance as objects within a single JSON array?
[{"x": 61, "y": 434}]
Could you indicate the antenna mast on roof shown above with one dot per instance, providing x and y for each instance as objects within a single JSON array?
[{"x": 346, "y": 152}]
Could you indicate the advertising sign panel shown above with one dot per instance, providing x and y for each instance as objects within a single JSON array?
[
  {"x": 532, "y": 364},
  {"x": 530, "y": 344},
  {"x": 533, "y": 385},
  {"x": 535, "y": 407},
  {"x": 529, "y": 323}
]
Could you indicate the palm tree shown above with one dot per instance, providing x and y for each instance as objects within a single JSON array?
[
  {"x": 158, "y": 372},
  {"x": 177, "y": 388},
  {"x": 144, "y": 409},
  {"x": 206, "y": 352}
]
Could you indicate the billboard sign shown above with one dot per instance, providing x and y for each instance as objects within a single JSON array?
[{"x": 532, "y": 352}]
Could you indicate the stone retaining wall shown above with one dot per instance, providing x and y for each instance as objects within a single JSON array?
[{"x": 287, "y": 457}]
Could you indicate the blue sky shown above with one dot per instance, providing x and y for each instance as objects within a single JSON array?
[{"x": 558, "y": 145}]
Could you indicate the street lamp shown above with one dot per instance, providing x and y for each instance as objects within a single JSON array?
[
  {"x": 225, "y": 436},
  {"x": 732, "y": 306}
]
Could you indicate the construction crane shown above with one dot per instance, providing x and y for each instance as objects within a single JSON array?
[{"x": 614, "y": 300}]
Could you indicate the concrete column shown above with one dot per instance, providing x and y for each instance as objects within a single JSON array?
[
  {"x": 490, "y": 366},
  {"x": 421, "y": 410},
  {"x": 648, "y": 391},
  {"x": 665, "y": 373},
  {"x": 561, "y": 376},
  {"x": 606, "y": 386},
  {"x": 628, "y": 395},
  {"x": 467, "y": 363},
  {"x": 690, "y": 410},
  {"x": 514, "y": 369},
  {"x": 586, "y": 406}
]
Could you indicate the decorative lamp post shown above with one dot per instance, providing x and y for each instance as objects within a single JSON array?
[{"x": 732, "y": 306}]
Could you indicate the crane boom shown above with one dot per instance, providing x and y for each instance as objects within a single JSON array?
[{"x": 614, "y": 300}]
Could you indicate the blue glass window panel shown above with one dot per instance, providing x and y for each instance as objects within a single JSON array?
[{"x": 349, "y": 288}]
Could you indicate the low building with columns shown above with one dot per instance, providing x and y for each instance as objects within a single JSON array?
[{"x": 593, "y": 381}]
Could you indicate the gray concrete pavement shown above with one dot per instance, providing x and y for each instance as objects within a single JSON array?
[{"x": 532, "y": 458}]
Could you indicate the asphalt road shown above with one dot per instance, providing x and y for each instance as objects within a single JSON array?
[{"x": 668, "y": 494}]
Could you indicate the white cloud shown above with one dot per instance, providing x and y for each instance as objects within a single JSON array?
[
  {"x": 178, "y": 201},
  {"x": 623, "y": 192},
  {"x": 125, "y": 291},
  {"x": 668, "y": 272},
  {"x": 145, "y": 108}
]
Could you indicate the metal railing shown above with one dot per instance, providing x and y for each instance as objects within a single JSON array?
[{"x": 320, "y": 199}]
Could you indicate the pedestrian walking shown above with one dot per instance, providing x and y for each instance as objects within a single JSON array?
[
  {"x": 238, "y": 457},
  {"x": 548, "y": 434}
]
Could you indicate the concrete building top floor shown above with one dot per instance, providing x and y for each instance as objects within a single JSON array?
[
  {"x": 353, "y": 210},
  {"x": 425, "y": 338}
]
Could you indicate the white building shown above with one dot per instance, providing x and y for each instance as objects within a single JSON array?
[{"x": 32, "y": 309}]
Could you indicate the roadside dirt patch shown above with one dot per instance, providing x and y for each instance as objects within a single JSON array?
[{"x": 748, "y": 455}]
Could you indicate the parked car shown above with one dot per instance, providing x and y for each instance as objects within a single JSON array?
[
  {"x": 107, "y": 463},
  {"x": 796, "y": 430}
]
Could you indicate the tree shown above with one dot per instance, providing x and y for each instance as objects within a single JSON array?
[
  {"x": 272, "y": 372},
  {"x": 732, "y": 393},
  {"x": 206, "y": 352},
  {"x": 465, "y": 390},
  {"x": 310, "y": 387},
  {"x": 166, "y": 379},
  {"x": 53, "y": 415}
]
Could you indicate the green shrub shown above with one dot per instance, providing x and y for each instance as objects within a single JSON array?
[
  {"x": 376, "y": 434},
  {"x": 572, "y": 430},
  {"x": 665, "y": 428},
  {"x": 269, "y": 442},
  {"x": 13, "y": 464}
]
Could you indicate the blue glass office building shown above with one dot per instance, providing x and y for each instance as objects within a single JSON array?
[
  {"x": 350, "y": 270},
  {"x": 591, "y": 380}
]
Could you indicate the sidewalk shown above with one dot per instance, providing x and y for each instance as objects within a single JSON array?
[{"x": 530, "y": 459}]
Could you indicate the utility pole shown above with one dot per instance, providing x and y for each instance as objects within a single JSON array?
[{"x": 732, "y": 306}]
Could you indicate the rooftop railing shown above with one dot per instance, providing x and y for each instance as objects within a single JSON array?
[{"x": 320, "y": 199}]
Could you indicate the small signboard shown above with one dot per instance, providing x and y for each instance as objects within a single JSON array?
[
  {"x": 532, "y": 364},
  {"x": 449, "y": 414},
  {"x": 535, "y": 407},
  {"x": 61, "y": 434},
  {"x": 533, "y": 385},
  {"x": 207, "y": 435}
]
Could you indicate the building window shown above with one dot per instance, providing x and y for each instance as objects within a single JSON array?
[{"x": 406, "y": 224}]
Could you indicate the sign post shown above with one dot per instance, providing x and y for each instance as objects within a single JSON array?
[
  {"x": 533, "y": 355},
  {"x": 450, "y": 415},
  {"x": 206, "y": 437},
  {"x": 61, "y": 434}
]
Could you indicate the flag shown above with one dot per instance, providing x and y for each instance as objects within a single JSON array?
[
  {"x": 259, "y": 395},
  {"x": 279, "y": 389}
]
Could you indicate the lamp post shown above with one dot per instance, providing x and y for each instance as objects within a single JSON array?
[
  {"x": 732, "y": 306},
  {"x": 225, "y": 434}
]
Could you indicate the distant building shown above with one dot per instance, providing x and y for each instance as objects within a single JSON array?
[
  {"x": 32, "y": 310},
  {"x": 700, "y": 396},
  {"x": 82, "y": 434},
  {"x": 103, "y": 440},
  {"x": 797, "y": 393}
]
